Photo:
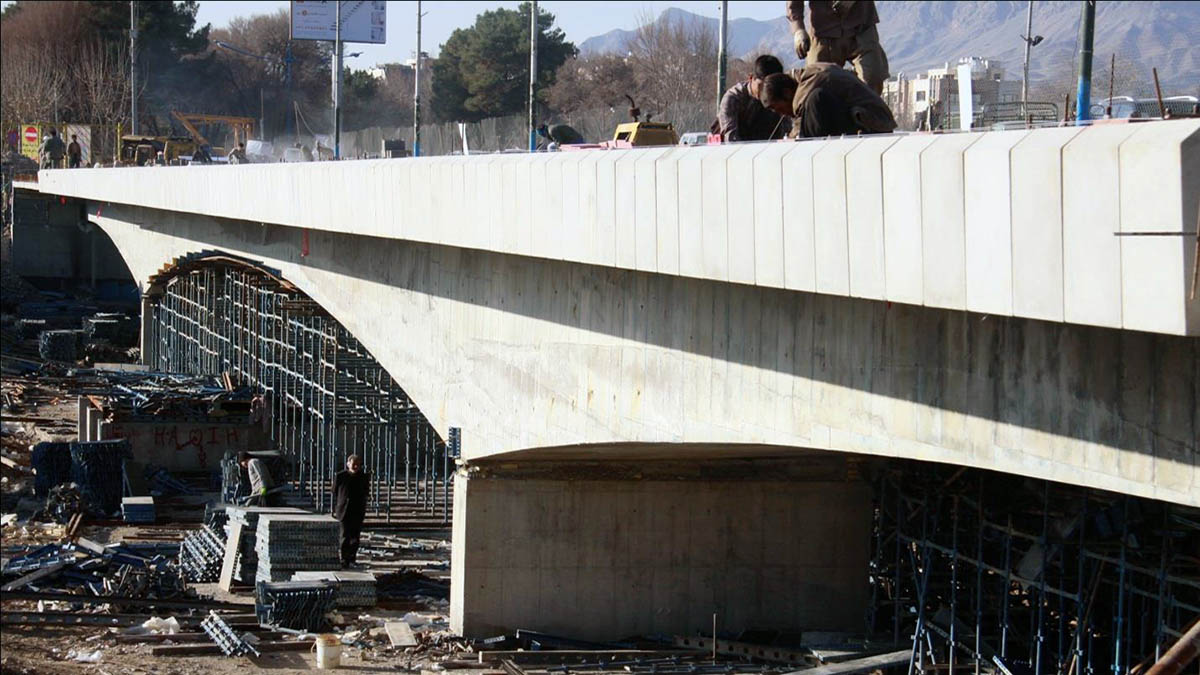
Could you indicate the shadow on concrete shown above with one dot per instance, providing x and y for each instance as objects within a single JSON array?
[{"x": 1122, "y": 389}]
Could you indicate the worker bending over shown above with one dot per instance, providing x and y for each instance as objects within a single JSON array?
[
  {"x": 742, "y": 116},
  {"x": 842, "y": 30},
  {"x": 260, "y": 480},
  {"x": 827, "y": 100}
]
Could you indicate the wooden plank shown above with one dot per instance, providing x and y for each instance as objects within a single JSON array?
[
  {"x": 400, "y": 633},
  {"x": 863, "y": 665},
  {"x": 573, "y": 656},
  {"x": 201, "y": 648},
  {"x": 232, "y": 545}
]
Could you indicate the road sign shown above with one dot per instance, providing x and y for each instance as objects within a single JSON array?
[
  {"x": 30, "y": 141},
  {"x": 362, "y": 20}
]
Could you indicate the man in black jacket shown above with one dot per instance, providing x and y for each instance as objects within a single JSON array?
[{"x": 350, "y": 506}]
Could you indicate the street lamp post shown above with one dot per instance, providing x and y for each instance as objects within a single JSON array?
[{"x": 533, "y": 40}]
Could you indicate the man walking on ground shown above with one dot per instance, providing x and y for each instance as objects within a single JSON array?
[
  {"x": 350, "y": 506},
  {"x": 742, "y": 117},
  {"x": 842, "y": 30},
  {"x": 260, "y": 480},
  {"x": 74, "y": 153},
  {"x": 52, "y": 151},
  {"x": 827, "y": 100}
]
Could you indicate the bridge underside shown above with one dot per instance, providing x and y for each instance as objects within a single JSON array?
[{"x": 480, "y": 340}]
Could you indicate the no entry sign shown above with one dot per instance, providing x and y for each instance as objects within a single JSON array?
[{"x": 29, "y": 141}]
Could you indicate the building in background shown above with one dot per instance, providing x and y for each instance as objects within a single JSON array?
[{"x": 929, "y": 100}]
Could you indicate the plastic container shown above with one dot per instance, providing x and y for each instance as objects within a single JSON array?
[{"x": 329, "y": 651}]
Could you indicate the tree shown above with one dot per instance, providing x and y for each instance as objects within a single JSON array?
[
  {"x": 483, "y": 71},
  {"x": 243, "y": 77},
  {"x": 676, "y": 62},
  {"x": 600, "y": 81}
]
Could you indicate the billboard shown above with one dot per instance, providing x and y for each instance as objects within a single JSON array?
[{"x": 362, "y": 20}]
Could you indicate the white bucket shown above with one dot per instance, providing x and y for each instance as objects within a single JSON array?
[{"x": 329, "y": 651}]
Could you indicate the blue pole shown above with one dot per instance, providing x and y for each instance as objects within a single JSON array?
[{"x": 1087, "y": 30}]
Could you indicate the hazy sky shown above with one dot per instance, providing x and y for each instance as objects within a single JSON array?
[{"x": 579, "y": 19}]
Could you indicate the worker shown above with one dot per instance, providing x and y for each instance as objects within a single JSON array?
[
  {"x": 350, "y": 489},
  {"x": 52, "y": 150},
  {"x": 238, "y": 154},
  {"x": 742, "y": 116},
  {"x": 842, "y": 30},
  {"x": 562, "y": 134},
  {"x": 74, "y": 153},
  {"x": 260, "y": 480},
  {"x": 827, "y": 100}
]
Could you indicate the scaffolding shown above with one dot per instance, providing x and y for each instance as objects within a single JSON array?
[
  {"x": 988, "y": 572},
  {"x": 323, "y": 396}
]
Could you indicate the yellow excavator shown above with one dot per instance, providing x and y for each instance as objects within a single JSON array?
[
  {"x": 242, "y": 127},
  {"x": 139, "y": 150}
]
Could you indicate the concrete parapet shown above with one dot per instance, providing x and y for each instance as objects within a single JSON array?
[{"x": 1043, "y": 224}]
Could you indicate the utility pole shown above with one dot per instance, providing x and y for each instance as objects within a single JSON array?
[
  {"x": 133, "y": 67},
  {"x": 533, "y": 40},
  {"x": 416, "y": 149},
  {"x": 337, "y": 84},
  {"x": 1087, "y": 33},
  {"x": 288, "y": 125},
  {"x": 722, "y": 55},
  {"x": 1025, "y": 76}
]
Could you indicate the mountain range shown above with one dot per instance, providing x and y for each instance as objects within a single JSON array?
[{"x": 918, "y": 35}]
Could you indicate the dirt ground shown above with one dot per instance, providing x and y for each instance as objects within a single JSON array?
[{"x": 29, "y": 650}]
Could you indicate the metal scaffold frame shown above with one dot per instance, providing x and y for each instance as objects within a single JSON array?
[
  {"x": 994, "y": 573},
  {"x": 326, "y": 394}
]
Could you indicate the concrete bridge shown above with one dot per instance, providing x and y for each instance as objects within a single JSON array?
[{"x": 663, "y": 358}]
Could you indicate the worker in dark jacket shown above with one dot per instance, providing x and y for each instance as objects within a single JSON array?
[
  {"x": 350, "y": 489},
  {"x": 842, "y": 30},
  {"x": 563, "y": 134},
  {"x": 826, "y": 100},
  {"x": 742, "y": 117}
]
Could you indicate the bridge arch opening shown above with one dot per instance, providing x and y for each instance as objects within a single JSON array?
[{"x": 323, "y": 396}]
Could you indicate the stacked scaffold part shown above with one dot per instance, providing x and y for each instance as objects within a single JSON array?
[
  {"x": 98, "y": 468},
  {"x": 201, "y": 554},
  {"x": 245, "y": 568},
  {"x": 299, "y": 605},
  {"x": 231, "y": 643},
  {"x": 354, "y": 589},
  {"x": 138, "y": 510},
  {"x": 59, "y": 345},
  {"x": 288, "y": 543}
]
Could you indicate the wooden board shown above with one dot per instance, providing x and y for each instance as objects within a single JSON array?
[
  {"x": 210, "y": 648},
  {"x": 400, "y": 633},
  {"x": 863, "y": 665},
  {"x": 232, "y": 545}
]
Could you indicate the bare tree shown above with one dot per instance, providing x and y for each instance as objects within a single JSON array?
[
  {"x": 102, "y": 79},
  {"x": 675, "y": 61},
  {"x": 600, "y": 81}
]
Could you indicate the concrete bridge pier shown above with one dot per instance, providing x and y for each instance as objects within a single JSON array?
[{"x": 603, "y": 549}]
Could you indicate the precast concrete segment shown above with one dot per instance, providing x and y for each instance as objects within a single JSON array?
[
  {"x": 1014, "y": 223},
  {"x": 527, "y": 353}
]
